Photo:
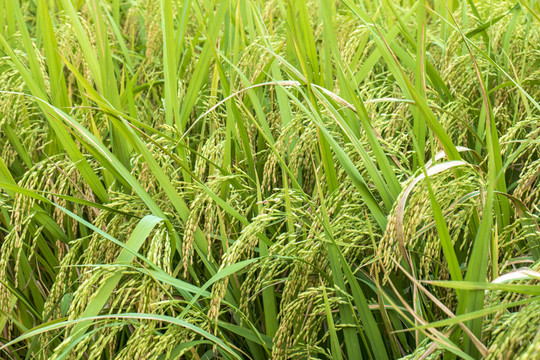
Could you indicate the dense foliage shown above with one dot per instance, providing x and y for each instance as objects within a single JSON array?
[{"x": 269, "y": 179}]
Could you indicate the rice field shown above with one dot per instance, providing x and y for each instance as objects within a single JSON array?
[{"x": 269, "y": 179}]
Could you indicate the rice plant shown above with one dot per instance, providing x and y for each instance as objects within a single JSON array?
[{"x": 285, "y": 179}]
